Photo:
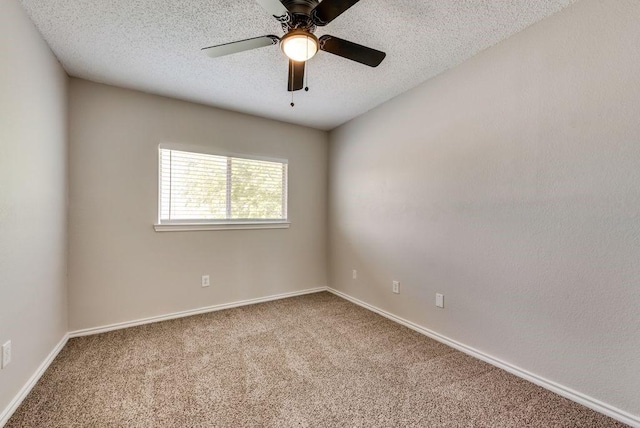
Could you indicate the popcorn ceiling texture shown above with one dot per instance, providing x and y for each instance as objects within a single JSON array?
[
  {"x": 311, "y": 361},
  {"x": 154, "y": 46}
]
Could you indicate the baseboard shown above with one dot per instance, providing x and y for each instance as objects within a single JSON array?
[
  {"x": 206, "y": 309},
  {"x": 26, "y": 389},
  {"x": 564, "y": 391}
]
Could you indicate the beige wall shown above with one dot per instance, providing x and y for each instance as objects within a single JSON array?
[
  {"x": 33, "y": 198},
  {"x": 512, "y": 185},
  {"x": 120, "y": 268}
]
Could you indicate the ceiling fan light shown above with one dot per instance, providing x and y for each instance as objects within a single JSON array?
[{"x": 299, "y": 46}]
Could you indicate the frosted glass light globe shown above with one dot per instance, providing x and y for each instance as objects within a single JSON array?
[{"x": 300, "y": 46}]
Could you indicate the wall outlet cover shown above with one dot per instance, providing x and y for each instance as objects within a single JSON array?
[
  {"x": 6, "y": 354},
  {"x": 206, "y": 281},
  {"x": 396, "y": 287},
  {"x": 440, "y": 300},
  {"x": 355, "y": 274}
]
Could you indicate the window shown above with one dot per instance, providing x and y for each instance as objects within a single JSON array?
[{"x": 206, "y": 191}]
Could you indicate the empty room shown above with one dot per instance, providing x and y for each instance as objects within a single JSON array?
[{"x": 320, "y": 213}]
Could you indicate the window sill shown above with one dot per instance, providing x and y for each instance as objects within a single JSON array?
[{"x": 188, "y": 227}]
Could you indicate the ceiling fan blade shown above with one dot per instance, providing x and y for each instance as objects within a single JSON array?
[
  {"x": 296, "y": 75},
  {"x": 240, "y": 46},
  {"x": 275, "y": 8},
  {"x": 328, "y": 10},
  {"x": 352, "y": 51}
]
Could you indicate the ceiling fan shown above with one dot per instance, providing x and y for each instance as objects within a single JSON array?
[{"x": 299, "y": 20}]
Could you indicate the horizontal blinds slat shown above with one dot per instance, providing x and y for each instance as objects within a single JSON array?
[
  {"x": 186, "y": 176},
  {"x": 194, "y": 186}
]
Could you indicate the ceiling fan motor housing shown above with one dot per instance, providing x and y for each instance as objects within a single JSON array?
[
  {"x": 300, "y": 15},
  {"x": 300, "y": 6}
]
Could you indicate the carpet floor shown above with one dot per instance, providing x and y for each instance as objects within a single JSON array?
[{"x": 310, "y": 361}]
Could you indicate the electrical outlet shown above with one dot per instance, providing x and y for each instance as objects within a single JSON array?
[
  {"x": 206, "y": 281},
  {"x": 440, "y": 300},
  {"x": 6, "y": 354},
  {"x": 354, "y": 274},
  {"x": 396, "y": 287}
]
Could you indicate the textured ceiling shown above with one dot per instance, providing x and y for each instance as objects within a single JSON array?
[{"x": 154, "y": 46}]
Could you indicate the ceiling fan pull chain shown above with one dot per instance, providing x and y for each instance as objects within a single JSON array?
[
  {"x": 306, "y": 71},
  {"x": 291, "y": 69},
  {"x": 306, "y": 78}
]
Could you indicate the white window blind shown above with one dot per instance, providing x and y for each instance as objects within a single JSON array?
[{"x": 205, "y": 188}]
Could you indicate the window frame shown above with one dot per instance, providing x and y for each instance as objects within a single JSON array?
[{"x": 222, "y": 224}]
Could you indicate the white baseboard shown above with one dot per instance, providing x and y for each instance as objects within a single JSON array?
[
  {"x": 26, "y": 389},
  {"x": 564, "y": 391},
  {"x": 142, "y": 321}
]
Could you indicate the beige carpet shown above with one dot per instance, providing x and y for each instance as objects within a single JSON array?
[{"x": 315, "y": 360}]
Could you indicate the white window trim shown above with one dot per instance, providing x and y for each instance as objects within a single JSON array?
[
  {"x": 235, "y": 225},
  {"x": 197, "y": 225}
]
